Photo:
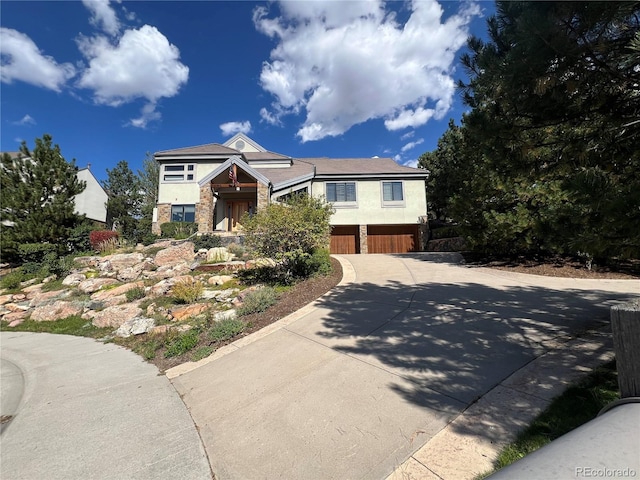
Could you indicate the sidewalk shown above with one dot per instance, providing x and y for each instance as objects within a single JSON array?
[{"x": 86, "y": 410}]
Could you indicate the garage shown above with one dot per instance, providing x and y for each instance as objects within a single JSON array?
[
  {"x": 344, "y": 239},
  {"x": 392, "y": 238}
]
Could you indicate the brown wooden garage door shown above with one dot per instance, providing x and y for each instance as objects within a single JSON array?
[
  {"x": 344, "y": 239},
  {"x": 392, "y": 238}
]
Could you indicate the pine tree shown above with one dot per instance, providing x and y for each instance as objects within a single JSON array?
[
  {"x": 125, "y": 199},
  {"x": 37, "y": 190}
]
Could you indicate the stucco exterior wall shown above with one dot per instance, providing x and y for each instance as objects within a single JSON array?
[
  {"x": 369, "y": 209},
  {"x": 92, "y": 202}
]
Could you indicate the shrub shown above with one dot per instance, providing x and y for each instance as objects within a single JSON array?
[
  {"x": 11, "y": 281},
  {"x": 178, "y": 230},
  {"x": 182, "y": 343},
  {"x": 187, "y": 292},
  {"x": 98, "y": 237},
  {"x": 135, "y": 293},
  {"x": 202, "y": 352},
  {"x": 226, "y": 329},
  {"x": 207, "y": 241},
  {"x": 238, "y": 250},
  {"x": 78, "y": 240},
  {"x": 35, "y": 252},
  {"x": 257, "y": 301},
  {"x": 149, "y": 238}
]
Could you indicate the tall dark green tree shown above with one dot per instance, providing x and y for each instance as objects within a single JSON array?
[
  {"x": 149, "y": 178},
  {"x": 37, "y": 190},
  {"x": 555, "y": 118},
  {"x": 125, "y": 199},
  {"x": 448, "y": 168}
]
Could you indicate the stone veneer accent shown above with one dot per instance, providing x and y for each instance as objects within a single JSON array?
[
  {"x": 423, "y": 233},
  {"x": 263, "y": 197},
  {"x": 364, "y": 248},
  {"x": 204, "y": 210},
  {"x": 164, "y": 216}
]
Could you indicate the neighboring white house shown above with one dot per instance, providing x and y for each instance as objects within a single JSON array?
[
  {"x": 379, "y": 205},
  {"x": 92, "y": 202}
]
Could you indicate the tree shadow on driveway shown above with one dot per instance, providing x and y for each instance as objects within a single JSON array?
[{"x": 459, "y": 340}]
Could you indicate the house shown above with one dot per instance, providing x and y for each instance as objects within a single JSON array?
[
  {"x": 92, "y": 202},
  {"x": 379, "y": 205}
]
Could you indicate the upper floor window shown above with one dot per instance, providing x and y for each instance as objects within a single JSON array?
[
  {"x": 178, "y": 173},
  {"x": 392, "y": 193},
  {"x": 341, "y": 192}
]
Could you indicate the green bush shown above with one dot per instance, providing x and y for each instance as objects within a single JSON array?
[
  {"x": 148, "y": 238},
  {"x": 182, "y": 343},
  {"x": 257, "y": 301},
  {"x": 35, "y": 252},
  {"x": 78, "y": 240},
  {"x": 135, "y": 293},
  {"x": 12, "y": 280},
  {"x": 178, "y": 230},
  {"x": 290, "y": 232},
  {"x": 187, "y": 292},
  {"x": 207, "y": 241},
  {"x": 226, "y": 329}
]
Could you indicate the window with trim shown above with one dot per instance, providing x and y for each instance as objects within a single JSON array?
[
  {"x": 341, "y": 192},
  {"x": 392, "y": 193},
  {"x": 178, "y": 173},
  {"x": 183, "y": 213}
]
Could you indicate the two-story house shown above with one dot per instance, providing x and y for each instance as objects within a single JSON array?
[{"x": 379, "y": 205}]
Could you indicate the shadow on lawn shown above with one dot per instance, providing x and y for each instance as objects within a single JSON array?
[{"x": 455, "y": 342}]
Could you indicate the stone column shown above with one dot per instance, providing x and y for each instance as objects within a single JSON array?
[
  {"x": 164, "y": 216},
  {"x": 364, "y": 247},
  {"x": 263, "y": 197},
  {"x": 204, "y": 210},
  {"x": 423, "y": 233}
]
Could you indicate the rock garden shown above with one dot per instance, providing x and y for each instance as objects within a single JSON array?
[{"x": 169, "y": 301}]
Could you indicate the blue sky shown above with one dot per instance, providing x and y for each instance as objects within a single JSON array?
[{"x": 111, "y": 81}]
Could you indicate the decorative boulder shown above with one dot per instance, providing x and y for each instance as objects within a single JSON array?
[
  {"x": 116, "y": 315},
  {"x": 174, "y": 255},
  {"x": 56, "y": 311}
]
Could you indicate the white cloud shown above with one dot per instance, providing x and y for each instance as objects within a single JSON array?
[
  {"x": 412, "y": 145},
  {"x": 231, "y": 128},
  {"x": 271, "y": 119},
  {"x": 26, "y": 120},
  {"x": 22, "y": 60},
  {"x": 141, "y": 65},
  {"x": 344, "y": 63},
  {"x": 103, "y": 16},
  {"x": 412, "y": 162},
  {"x": 408, "y": 135}
]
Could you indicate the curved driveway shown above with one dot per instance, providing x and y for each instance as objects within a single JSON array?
[{"x": 354, "y": 385}]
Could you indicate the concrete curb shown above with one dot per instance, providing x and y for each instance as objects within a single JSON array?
[
  {"x": 468, "y": 445},
  {"x": 348, "y": 276}
]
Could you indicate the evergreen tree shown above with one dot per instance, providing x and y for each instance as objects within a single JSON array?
[
  {"x": 37, "y": 190},
  {"x": 149, "y": 179},
  {"x": 125, "y": 200},
  {"x": 555, "y": 108}
]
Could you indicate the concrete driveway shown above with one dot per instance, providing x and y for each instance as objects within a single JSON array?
[{"x": 352, "y": 386}]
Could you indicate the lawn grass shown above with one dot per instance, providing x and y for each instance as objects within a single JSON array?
[
  {"x": 73, "y": 325},
  {"x": 578, "y": 404}
]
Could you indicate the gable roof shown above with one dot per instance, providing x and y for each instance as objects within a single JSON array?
[
  {"x": 207, "y": 149},
  {"x": 362, "y": 167},
  {"x": 235, "y": 160}
]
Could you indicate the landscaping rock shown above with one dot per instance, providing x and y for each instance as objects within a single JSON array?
[
  {"x": 6, "y": 298},
  {"x": 182, "y": 313},
  {"x": 135, "y": 326},
  {"x": 174, "y": 255},
  {"x": 56, "y": 311},
  {"x": 39, "y": 299},
  {"x": 88, "y": 261},
  {"x": 219, "y": 279},
  {"x": 225, "y": 315},
  {"x": 219, "y": 254},
  {"x": 16, "y": 322},
  {"x": 120, "y": 261},
  {"x": 116, "y": 315},
  {"x": 116, "y": 292},
  {"x": 73, "y": 279},
  {"x": 16, "y": 307},
  {"x": 160, "y": 288},
  {"x": 91, "y": 285}
]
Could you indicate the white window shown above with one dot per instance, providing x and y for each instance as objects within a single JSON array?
[
  {"x": 341, "y": 192},
  {"x": 392, "y": 193},
  {"x": 178, "y": 173}
]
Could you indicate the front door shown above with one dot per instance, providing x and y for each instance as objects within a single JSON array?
[{"x": 236, "y": 210}]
